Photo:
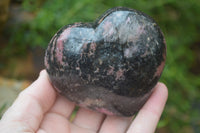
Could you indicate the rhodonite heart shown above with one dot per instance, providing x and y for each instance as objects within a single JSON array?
[{"x": 110, "y": 65}]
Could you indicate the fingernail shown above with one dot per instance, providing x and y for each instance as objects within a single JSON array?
[{"x": 42, "y": 72}]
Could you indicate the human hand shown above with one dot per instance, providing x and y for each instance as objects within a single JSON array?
[{"x": 38, "y": 109}]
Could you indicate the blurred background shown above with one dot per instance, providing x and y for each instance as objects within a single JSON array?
[{"x": 26, "y": 27}]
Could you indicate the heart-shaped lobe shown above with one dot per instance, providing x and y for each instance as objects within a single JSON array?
[{"x": 110, "y": 65}]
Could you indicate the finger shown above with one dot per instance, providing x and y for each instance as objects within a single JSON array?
[
  {"x": 60, "y": 111},
  {"x": 31, "y": 104},
  {"x": 76, "y": 129},
  {"x": 115, "y": 124},
  {"x": 63, "y": 107},
  {"x": 88, "y": 119},
  {"x": 54, "y": 123},
  {"x": 148, "y": 117}
]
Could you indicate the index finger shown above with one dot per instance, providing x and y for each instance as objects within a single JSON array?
[
  {"x": 148, "y": 117},
  {"x": 31, "y": 104}
]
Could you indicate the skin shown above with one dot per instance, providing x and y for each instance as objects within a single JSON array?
[{"x": 39, "y": 109}]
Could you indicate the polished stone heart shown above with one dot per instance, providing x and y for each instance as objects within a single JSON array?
[{"x": 110, "y": 65}]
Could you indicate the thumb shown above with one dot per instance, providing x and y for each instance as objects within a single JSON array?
[{"x": 26, "y": 113}]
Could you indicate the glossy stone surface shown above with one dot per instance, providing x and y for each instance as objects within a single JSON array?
[{"x": 110, "y": 65}]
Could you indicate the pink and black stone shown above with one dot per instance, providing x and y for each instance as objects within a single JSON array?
[{"x": 110, "y": 65}]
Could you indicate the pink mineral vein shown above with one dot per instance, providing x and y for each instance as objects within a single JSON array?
[{"x": 105, "y": 111}]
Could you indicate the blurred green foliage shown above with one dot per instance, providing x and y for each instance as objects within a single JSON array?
[
  {"x": 2, "y": 110},
  {"x": 179, "y": 20}
]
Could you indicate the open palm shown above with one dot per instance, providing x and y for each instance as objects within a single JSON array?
[{"x": 39, "y": 109}]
